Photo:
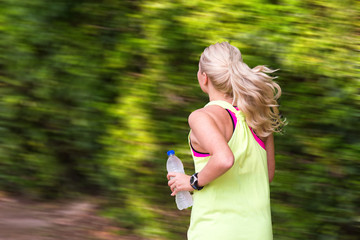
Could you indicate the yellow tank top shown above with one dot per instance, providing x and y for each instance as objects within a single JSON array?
[{"x": 235, "y": 206}]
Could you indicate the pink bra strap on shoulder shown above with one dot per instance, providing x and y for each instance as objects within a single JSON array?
[
  {"x": 261, "y": 143},
  {"x": 233, "y": 118}
]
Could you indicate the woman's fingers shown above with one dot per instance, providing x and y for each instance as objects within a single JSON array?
[
  {"x": 173, "y": 187},
  {"x": 176, "y": 187},
  {"x": 178, "y": 182},
  {"x": 171, "y": 175},
  {"x": 171, "y": 182}
]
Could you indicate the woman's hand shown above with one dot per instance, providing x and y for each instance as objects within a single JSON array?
[{"x": 178, "y": 182}]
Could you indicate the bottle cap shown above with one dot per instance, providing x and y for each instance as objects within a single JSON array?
[{"x": 171, "y": 152}]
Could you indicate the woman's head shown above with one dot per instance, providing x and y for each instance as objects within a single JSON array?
[
  {"x": 252, "y": 90},
  {"x": 216, "y": 62}
]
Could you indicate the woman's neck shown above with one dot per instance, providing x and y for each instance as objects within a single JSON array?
[{"x": 215, "y": 95}]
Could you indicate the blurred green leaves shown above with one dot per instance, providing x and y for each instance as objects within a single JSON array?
[{"x": 93, "y": 94}]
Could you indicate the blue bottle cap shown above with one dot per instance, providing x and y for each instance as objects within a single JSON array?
[{"x": 171, "y": 152}]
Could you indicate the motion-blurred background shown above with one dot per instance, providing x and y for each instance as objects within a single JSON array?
[{"x": 94, "y": 92}]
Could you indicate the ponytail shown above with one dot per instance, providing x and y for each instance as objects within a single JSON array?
[{"x": 253, "y": 90}]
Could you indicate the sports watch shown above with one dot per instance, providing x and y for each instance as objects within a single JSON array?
[{"x": 194, "y": 182}]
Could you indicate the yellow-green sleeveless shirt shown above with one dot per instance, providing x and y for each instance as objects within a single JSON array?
[{"x": 236, "y": 205}]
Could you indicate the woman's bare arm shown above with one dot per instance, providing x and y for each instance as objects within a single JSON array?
[
  {"x": 270, "y": 153},
  {"x": 211, "y": 139}
]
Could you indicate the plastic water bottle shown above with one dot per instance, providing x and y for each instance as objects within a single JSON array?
[{"x": 183, "y": 199}]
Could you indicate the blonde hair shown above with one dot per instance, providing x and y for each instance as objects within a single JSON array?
[{"x": 253, "y": 91}]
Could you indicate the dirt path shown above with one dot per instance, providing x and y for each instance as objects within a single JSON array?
[{"x": 75, "y": 220}]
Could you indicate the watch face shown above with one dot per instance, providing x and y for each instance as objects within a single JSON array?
[{"x": 192, "y": 180}]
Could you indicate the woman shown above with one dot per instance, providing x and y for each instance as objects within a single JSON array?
[{"x": 233, "y": 149}]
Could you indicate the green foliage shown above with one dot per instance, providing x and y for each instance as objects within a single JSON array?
[{"x": 93, "y": 94}]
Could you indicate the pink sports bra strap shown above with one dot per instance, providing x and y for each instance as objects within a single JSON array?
[
  {"x": 196, "y": 153},
  {"x": 233, "y": 118}
]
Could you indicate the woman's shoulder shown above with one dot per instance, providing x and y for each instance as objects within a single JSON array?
[
  {"x": 212, "y": 113},
  {"x": 197, "y": 115}
]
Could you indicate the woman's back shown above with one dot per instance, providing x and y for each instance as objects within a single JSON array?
[{"x": 236, "y": 205}]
